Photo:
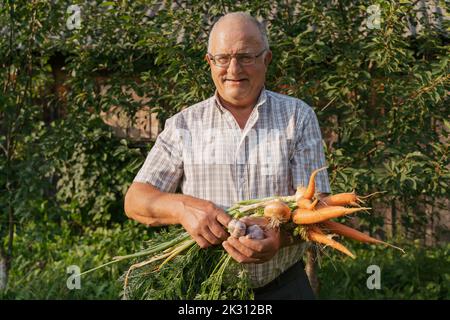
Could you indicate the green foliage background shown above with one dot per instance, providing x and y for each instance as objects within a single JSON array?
[{"x": 381, "y": 97}]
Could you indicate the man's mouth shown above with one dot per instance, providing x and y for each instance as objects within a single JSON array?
[{"x": 235, "y": 80}]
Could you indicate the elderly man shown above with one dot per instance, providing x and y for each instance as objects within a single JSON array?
[{"x": 245, "y": 142}]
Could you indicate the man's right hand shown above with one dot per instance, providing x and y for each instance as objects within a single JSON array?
[{"x": 204, "y": 221}]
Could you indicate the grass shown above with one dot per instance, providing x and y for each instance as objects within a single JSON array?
[{"x": 421, "y": 273}]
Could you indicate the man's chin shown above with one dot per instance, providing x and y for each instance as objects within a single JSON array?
[{"x": 236, "y": 93}]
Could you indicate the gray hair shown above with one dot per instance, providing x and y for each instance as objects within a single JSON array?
[{"x": 244, "y": 16}]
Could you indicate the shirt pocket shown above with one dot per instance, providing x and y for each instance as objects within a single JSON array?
[{"x": 273, "y": 154}]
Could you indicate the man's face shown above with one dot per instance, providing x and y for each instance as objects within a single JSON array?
[{"x": 238, "y": 85}]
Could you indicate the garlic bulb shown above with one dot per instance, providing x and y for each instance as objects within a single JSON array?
[
  {"x": 236, "y": 228},
  {"x": 255, "y": 232}
]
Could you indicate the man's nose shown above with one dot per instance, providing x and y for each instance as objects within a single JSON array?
[{"x": 234, "y": 67}]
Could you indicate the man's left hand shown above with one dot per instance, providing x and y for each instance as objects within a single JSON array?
[{"x": 245, "y": 250}]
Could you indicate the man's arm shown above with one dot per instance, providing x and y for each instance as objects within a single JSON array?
[
  {"x": 145, "y": 204},
  {"x": 203, "y": 220}
]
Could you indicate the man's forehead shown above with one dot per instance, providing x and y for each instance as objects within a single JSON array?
[{"x": 232, "y": 41}]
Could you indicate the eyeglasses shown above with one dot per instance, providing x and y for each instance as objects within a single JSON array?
[{"x": 244, "y": 59}]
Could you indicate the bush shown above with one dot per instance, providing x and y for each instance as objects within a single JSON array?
[{"x": 40, "y": 269}]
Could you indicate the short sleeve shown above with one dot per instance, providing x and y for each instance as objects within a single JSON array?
[
  {"x": 163, "y": 167},
  {"x": 308, "y": 154}
]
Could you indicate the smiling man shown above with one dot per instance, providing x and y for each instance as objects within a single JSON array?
[{"x": 245, "y": 142}]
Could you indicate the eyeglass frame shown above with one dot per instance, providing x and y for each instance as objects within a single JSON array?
[{"x": 236, "y": 55}]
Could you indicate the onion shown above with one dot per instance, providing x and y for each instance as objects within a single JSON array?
[{"x": 277, "y": 211}]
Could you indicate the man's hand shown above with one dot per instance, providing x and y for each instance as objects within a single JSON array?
[
  {"x": 204, "y": 222},
  {"x": 245, "y": 250},
  {"x": 202, "y": 219}
]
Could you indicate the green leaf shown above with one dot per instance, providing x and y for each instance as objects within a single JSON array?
[{"x": 107, "y": 4}]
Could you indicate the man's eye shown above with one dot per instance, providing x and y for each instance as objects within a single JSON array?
[
  {"x": 245, "y": 59},
  {"x": 222, "y": 59}
]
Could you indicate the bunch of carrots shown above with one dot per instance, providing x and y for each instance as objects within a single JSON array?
[{"x": 313, "y": 216}]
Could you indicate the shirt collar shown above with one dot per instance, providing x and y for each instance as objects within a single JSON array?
[{"x": 261, "y": 100}]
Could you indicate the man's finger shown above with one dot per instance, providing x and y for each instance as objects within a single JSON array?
[
  {"x": 256, "y": 245},
  {"x": 236, "y": 255},
  {"x": 202, "y": 242},
  {"x": 244, "y": 250},
  {"x": 223, "y": 218},
  {"x": 218, "y": 230},
  {"x": 209, "y": 236}
]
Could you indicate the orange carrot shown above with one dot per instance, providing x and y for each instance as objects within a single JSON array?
[
  {"x": 344, "y": 199},
  {"x": 316, "y": 235},
  {"x": 340, "y": 199},
  {"x": 310, "y": 190},
  {"x": 303, "y": 203},
  {"x": 354, "y": 234},
  {"x": 303, "y": 216}
]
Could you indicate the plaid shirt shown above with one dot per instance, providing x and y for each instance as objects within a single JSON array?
[{"x": 203, "y": 150}]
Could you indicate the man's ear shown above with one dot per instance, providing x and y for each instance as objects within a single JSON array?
[
  {"x": 268, "y": 58},
  {"x": 207, "y": 59}
]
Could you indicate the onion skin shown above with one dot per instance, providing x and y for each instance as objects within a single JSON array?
[{"x": 277, "y": 210}]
